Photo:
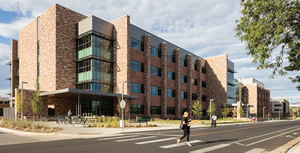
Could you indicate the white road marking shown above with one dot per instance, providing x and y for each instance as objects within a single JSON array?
[
  {"x": 128, "y": 136},
  {"x": 210, "y": 148},
  {"x": 271, "y": 137},
  {"x": 238, "y": 142},
  {"x": 295, "y": 133},
  {"x": 153, "y": 141},
  {"x": 135, "y": 139},
  {"x": 180, "y": 144},
  {"x": 170, "y": 135},
  {"x": 256, "y": 150}
]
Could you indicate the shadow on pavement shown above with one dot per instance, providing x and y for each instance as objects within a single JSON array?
[{"x": 216, "y": 141}]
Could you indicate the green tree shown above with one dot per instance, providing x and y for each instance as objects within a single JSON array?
[
  {"x": 37, "y": 103},
  {"x": 241, "y": 112},
  {"x": 271, "y": 30},
  {"x": 197, "y": 109},
  {"x": 292, "y": 113},
  {"x": 20, "y": 103},
  {"x": 225, "y": 111},
  {"x": 213, "y": 108}
]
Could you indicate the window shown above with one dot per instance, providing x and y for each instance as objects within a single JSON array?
[
  {"x": 196, "y": 66},
  {"x": 136, "y": 109},
  {"x": 203, "y": 84},
  {"x": 102, "y": 87},
  {"x": 155, "y": 110},
  {"x": 155, "y": 91},
  {"x": 84, "y": 66},
  {"x": 155, "y": 51},
  {"x": 84, "y": 42},
  {"x": 204, "y": 70},
  {"x": 171, "y": 110},
  {"x": 183, "y": 95},
  {"x": 183, "y": 62},
  {"x": 170, "y": 75},
  {"x": 194, "y": 96},
  {"x": 136, "y": 87},
  {"x": 170, "y": 93},
  {"x": 155, "y": 71},
  {"x": 195, "y": 82},
  {"x": 171, "y": 57},
  {"x": 182, "y": 110},
  {"x": 134, "y": 43},
  {"x": 136, "y": 66},
  {"x": 203, "y": 98},
  {"x": 183, "y": 78}
]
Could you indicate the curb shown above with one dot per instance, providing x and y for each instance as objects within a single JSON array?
[{"x": 288, "y": 147}]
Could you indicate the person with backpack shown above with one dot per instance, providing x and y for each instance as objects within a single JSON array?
[{"x": 185, "y": 126}]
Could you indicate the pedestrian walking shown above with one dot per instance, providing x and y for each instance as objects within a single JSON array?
[
  {"x": 70, "y": 117},
  {"x": 185, "y": 121}
]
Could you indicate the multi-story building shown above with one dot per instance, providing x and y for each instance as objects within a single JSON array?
[
  {"x": 280, "y": 107},
  {"x": 257, "y": 98},
  {"x": 4, "y": 102},
  {"x": 80, "y": 63}
]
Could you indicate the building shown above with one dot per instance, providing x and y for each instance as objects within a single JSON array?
[
  {"x": 280, "y": 106},
  {"x": 254, "y": 97},
  {"x": 80, "y": 63},
  {"x": 4, "y": 102}
]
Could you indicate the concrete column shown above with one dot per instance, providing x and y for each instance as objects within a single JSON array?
[
  {"x": 238, "y": 111},
  {"x": 147, "y": 103},
  {"x": 163, "y": 48},
  {"x": 177, "y": 83},
  {"x": 189, "y": 83}
]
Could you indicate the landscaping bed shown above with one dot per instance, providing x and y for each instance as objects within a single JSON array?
[
  {"x": 28, "y": 126},
  {"x": 113, "y": 122}
]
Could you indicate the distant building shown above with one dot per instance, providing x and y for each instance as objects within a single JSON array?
[
  {"x": 4, "y": 102},
  {"x": 280, "y": 107},
  {"x": 253, "y": 96}
]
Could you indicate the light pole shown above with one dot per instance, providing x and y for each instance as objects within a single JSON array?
[
  {"x": 23, "y": 82},
  {"x": 264, "y": 113},
  {"x": 211, "y": 100},
  {"x": 122, "y": 104},
  {"x": 247, "y": 110},
  {"x": 279, "y": 110}
]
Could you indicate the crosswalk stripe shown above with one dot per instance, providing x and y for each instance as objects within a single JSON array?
[
  {"x": 135, "y": 139},
  {"x": 153, "y": 141},
  {"x": 255, "y": 150},
  {"x": 180, "y": 144},
  {"x": 210, "y": 148},
  {"x": 128, "y": 136}
]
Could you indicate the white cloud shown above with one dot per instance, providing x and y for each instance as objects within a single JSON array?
[
  {"x": 4, "y": 92},
  {"x": 10, "y": 30},
  {"x": 4, "y": 53}
]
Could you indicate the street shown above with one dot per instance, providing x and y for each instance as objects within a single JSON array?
[{"x": 255, "y": 137}]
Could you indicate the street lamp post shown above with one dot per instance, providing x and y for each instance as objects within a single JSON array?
[
  {"x": 247, "y": 110},
  {"x": 122, "y": 106},
  {"x": 279, "y": 111},
  {"x": 22, "y": 97},
  {"x": 264, "y": 113}
]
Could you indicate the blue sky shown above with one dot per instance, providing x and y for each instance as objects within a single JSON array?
[{"x": 202, "y": 27}]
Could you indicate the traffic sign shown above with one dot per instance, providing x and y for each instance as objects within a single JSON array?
[{"x": 122, "y": 104}]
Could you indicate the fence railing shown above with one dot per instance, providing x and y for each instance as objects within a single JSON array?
[{"x": 9, "y": 113}]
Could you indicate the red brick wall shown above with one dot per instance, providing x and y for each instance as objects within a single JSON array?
[{"x": 14, "y": 83}]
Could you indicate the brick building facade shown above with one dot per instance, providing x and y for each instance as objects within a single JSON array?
[{"x": 80, "y": 63}]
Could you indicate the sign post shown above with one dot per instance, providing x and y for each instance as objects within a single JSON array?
[{"x": 122, "y": 105}]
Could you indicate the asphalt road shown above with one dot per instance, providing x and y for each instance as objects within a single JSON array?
[{"x": 248, "y": 138}]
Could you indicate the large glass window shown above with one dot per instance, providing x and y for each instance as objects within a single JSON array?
[
  {"x": 170, "y": 75},
  {"x": 136, "y": 87},
  {"x": 155, "y": 91},
  {"x": 203, "y": 70},
  {"x": 195, "y": 82},
  {"x": 194, "y": 96},
  {"x": 85, "y": 65},
  {"x": 84, "y": 42},
  {"x": 230, "y": 77},
  {"x": 196, "y": 66},
  {"x": 171, "y": 110},
  {"x": 155, "y": 110},
  {"x": 182, "y": 110},
  {"x": 203, "y": 98},
  {"x": 203, "y": 84},
  {"x": 155, "y": 71},
  {"x": 183, "y": 95},
  {"x": 134, "y": 43},
  {"x": 136, "y": 109},
  {"x": 183, "y": 62},
  {"x": 170, "y": 93},
  {"x": 155, "y": 51},
  {"x": 101, "y": 87},
  {"x": 136, "y": 66},
  {"x": 230, "y": 94},
  {"x": 171, "y": 57},
  {"x": 183, "y": 78}
]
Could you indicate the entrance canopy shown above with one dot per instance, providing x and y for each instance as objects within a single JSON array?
[{"x": 71, "y": 91}]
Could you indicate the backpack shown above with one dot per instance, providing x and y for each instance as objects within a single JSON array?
[{"x": 181, "y": 124}]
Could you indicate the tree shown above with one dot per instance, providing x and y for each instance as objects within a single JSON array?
[
  {"x": 241, "y": 112},
  {"x": 271, "y": 30},
  {"x": 20, "y": 103},
  {"x": 292, "y": 113},
  {"x": 36, "y": 103},
  {"x": 225, "y": 111},
  {"x": 197, "y": 109},
  {"x": 213, "y": 108}
]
